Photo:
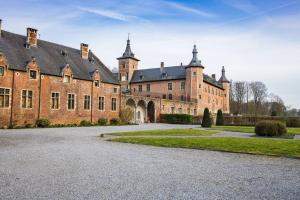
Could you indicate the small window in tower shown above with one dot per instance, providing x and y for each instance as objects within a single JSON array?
[
  {"x": 97, "y": 83},
  {"x": 169, "y": 86},
  {"x": 194, "y": 73},
  {"x": 32, "y": 74},
  {"x": 1, "y": 71},
  {"x": 115, "y": 90},
  {"x": 67, "y": 79},
  {"x": 140, "y": 88},
  {"x": 123, "y": 78}
]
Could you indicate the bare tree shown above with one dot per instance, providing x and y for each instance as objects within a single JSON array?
[
  {"x": 240, "y": 94},
  {"x": 259, "y": 93},
  {"x": 277, "y": 107}
]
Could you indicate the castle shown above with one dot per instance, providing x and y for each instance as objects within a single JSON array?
[{"x": 40, "y": 79}]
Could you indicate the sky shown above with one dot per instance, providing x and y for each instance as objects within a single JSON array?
[{"x": 255, "y": 40}]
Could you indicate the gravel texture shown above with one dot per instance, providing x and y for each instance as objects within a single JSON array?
[{"x": 72, "y": 163}]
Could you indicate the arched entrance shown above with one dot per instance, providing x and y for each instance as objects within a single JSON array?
[
  {"x": 140, "y": 112},
  {"x": 151, "y": 112},
  {"x": 130, "y": 103}
]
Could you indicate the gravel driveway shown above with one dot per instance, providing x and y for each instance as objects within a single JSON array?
[{"x": 72, "y": 163}]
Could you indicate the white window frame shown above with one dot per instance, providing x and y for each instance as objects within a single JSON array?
[
  {"x": 52, "y": 102},
  {"x": 68, "y": 102},
  {"x": 112, "y": 104},
  {"x": 9, "y": 98},
  {"x": 89, "y": 102},
  {"x": 26, "y": 99},
  {"x": 36, "y": 74},
  {"x": 3, "y": 68},
  {"x": 103, "y": 103}
]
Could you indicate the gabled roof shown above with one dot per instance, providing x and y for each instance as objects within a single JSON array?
[
  {"x": 51, "y": 58},
  {"x": 167, "y": 73}
]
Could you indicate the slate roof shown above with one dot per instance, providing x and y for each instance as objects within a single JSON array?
[
  {"x": 50, "y": 59},
  {"x": 167, "y": 73}
]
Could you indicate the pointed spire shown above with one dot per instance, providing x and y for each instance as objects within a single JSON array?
[
  {"x": 195, "y": 62},
  {"x": 223, "y": 78},
  {"x": 128, "y": 53}
]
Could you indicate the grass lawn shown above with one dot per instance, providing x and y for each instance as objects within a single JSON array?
[
  {"x": 169, "y": 132},
  {"x": 249, "y": 129},
  {"x": 272, "y": 147}
]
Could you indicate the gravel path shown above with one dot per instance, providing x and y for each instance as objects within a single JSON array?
[{"x": 72, "y": 163}]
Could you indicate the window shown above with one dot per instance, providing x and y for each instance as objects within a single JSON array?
[
  {"x": 200, "y": 97},
  {"x": 101, "y": 103},
  {"x": 194, "y": 74},
  {"x": 115, "y": 90},
  {"x": 127, "y": 76},
  {"x": 140, "y": 88},
  {"x": 71, "y": 101},
  {"x": 32, "y": 74},
  {"x": 182, "y": 85},
  {"x": 180, "y": 110},
  {"x": 87, "y": 102},
  {"x": 169, "y": 86},
  {"x": 26, "y": 99},
  {"x": 55, "y": 100},
  {"x": 1, "y": 71},
  {"x": 133, "y": 89},
  {"x": 113, "y": 104},
  {"x": 200, "y": 85},
  {"x": 123, "y": 78},
  {"x": 97, "y": 83},
  {"x": 195, "y": 112},
  {"x": 164, "y": 96},
  {"x": 172, "y": 110},
  {"x": 148, "y": 87},
  {"x": 182, "y": 98},
  {"x": 163, "y": 107},
  {"x": 67, "y": 79},
  {"x": 170, "y": 96},
  {"x": 4, "y": 97}
]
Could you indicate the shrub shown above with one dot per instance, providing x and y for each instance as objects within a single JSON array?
[
  {"x": 293, "y": 122},
  {"x": 220, "y": 119},
  {"x": 114, "y": 121},
  {"x": 270, "y": 128},
  {"x": 126, "y": 115},
  {"x": 102, "y": 121},
  {"x": 43, "y": 123},
  {"x": 28, "y": 125},
  {"x": 176, "y": 118},
  {"x": 206, "y": 122},
  {"x": 85, "y": 123}
]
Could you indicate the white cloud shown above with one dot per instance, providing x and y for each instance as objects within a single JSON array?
[{"x": 190, "y": 9}]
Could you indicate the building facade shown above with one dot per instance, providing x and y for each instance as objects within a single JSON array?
[{"x": 40, "y": 79}]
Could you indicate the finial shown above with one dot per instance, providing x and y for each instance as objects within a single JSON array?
[{"x": 128, "y": 36}]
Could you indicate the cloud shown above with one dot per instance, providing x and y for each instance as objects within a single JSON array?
[
  {"x": 243, "y": 5},
  {"x": 184, "y": 8},
  {"x": 109, "y": 14}
]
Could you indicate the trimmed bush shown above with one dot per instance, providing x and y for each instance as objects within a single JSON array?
[
  {"x": 293, "y": 122},
  {"x": 102, "y": 121},
  {"x": 114, "y": 121},
  {"x": 176, "y": 118},
  {"x": 85, "y": 123},
  {"x": 220, "y": 119},
  {"x": 42, "y": 123},
  {"x": 206, "y": 122},
  {"x": 270, "y": 128}
]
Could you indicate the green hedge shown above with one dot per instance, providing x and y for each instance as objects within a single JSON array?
[
  {"x": 176, "y": 118},
  {"x": 270, "y": 128},
  {"x": 293, "y": 122}
]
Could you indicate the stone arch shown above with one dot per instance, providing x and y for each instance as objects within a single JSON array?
[
  {"x": 130, "y": 103},
  {"x": 141, "y": 112},
  {"x": 151, "y": 112}
]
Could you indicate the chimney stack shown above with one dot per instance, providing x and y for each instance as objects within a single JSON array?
[
  {"x": 213, "y": 76},
  {"x": 84, "y": 51},
  {"x": 162, "y": 64},
  {"x": 31, "y": 37},
  {"x": 0, "y": 27}
]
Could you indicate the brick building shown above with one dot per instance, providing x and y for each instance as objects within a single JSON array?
[{"x": 40, "y": 79}]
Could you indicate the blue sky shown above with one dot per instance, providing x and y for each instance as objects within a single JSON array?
[{"x": 253, "y": 39}]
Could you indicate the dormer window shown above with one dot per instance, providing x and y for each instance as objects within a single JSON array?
[
  {"x": 67, "y": 79},
  {"x": 164, "y": 75},
  {"x": 32, "y": 74},
  {"x": 141, "y": 77},
  {"x": 1, "y": 71},
  {"x": 97, "y": 83}
]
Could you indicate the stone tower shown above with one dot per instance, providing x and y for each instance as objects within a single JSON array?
[
  {"x": 226, "y": 85},
  {"x": 194, "y": 77},
  {"x": 127, "y": 65}
]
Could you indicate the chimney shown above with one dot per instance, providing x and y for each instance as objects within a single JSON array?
[
  {"x": 31, "y": 37},
  {"x": 84, "y": 51},
  {"x": 213, "y": 76},
  {"x": 162, "y": 64},
  {"x": 0, "y": 27}
]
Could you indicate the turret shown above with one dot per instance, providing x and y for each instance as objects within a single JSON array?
[
  {"x": 226, "y": 85},
  {"x": 194, "y": 77},
  {"x": 127, "y": 65}
]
